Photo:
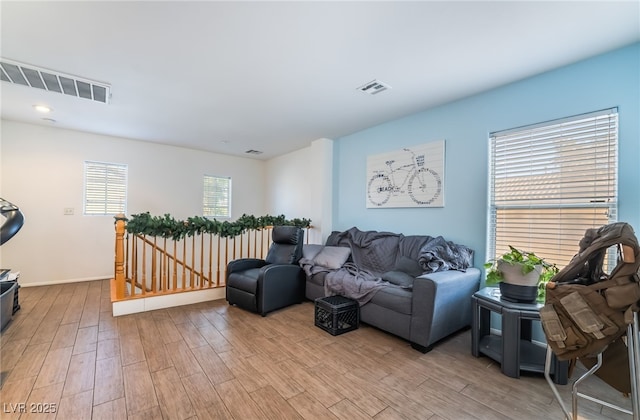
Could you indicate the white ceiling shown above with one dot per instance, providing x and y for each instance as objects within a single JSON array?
[{"x": 273, "y": 76}]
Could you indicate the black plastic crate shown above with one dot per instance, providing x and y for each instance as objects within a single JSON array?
[{"x": 337, "y": 314}]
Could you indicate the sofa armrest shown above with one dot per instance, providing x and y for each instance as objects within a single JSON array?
[{"x": 441, "y": 304}]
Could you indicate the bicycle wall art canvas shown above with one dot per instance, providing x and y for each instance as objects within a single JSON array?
[{"x": 409, "y": 177}]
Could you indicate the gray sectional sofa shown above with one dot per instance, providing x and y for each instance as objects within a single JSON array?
[{"x": 416, "y": 287}]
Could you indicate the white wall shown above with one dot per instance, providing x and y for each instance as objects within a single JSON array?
[
  {"x": 299, "y": 184},
  {"x": 41, "y": 171}
]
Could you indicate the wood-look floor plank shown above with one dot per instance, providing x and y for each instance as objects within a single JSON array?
[
  {"x": 204, "y": 398},
  {"x": 139, "y": 389},
  {"x": 81, "y": 373},
  {"x": 110, "y": 410},
  {"x": 212, "y": 365},
  {"x": 410, "y": 408},
  {"x": 30, "y": 361},
  {"x": 278, "y": 378},
  {"x": 273, "y": 405},
  {"x": 86, "y": 340},
  {"x": 109, "y": 382},
  {"x": 91, "y": 313},
  {"x": 65, "y": 336},
  {"x": 15, "y": 392},
  {"x": 54, "y": 368},
  {"x": 200, "y": 391},
  {"x": 346, "y": 410},
  {"x": 310, "y": 408},
  {"x": 168, "y": 330},
  {"x": 366, "y": 401},
  {"x": 155, "y": 352},
  {"x": 108, "y": 348},
  {"x": 248, "y": 376},
  {"x": 152, "y": 413},
  {"x": 43, "y": 403},
  {"x": 391, "y": 414},
  {"x": 191, "y": 335},
  {"x": 311, "y": 383},
  {"x": 238, "y": 401},
  {"x": 10, "y": 354},
  {"x": 131, "y": 349},
  {"x": 174, "y": 400},
  {"x": 76, "y": 407},
  {"x": 214, "y": 338},
  {"x": 74, "y": 310},
  {"x": 127, "y": 325},
  {"x": 183, "y": 359},
  {"x": 107, "y": 322}
]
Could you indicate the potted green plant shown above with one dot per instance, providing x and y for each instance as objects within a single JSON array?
[{"x": 524, "y": 272}]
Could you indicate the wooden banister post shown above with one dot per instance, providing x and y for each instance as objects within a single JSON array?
[{"x": 119, "y": 257}]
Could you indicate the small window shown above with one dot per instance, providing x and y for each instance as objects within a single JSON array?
[
  {"x": 216, "y": 201},
  {"x": 105, "y": 188}
]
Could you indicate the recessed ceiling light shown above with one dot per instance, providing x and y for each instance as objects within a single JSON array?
[{"x": 42, "y": 108}]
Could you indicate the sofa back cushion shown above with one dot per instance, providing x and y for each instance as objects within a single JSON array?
[{"x": 409, "y": 266}]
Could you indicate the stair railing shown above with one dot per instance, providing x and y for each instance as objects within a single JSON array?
[{"x": 146, "y": 266}]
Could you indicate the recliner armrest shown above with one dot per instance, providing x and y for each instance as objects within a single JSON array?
[
  {"x": 245, "y": 264},
  {"x": 276, "y": 271},
  {"x": 280, "y": 285}
]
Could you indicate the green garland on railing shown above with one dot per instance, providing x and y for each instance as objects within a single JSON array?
[{"x": 168, "y": 227}]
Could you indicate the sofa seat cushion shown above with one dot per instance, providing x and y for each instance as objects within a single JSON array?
[
  {"x": 317, "y": 278},
  {"x": 393, "y": 298},
  {"x": 246, "y": 280}
]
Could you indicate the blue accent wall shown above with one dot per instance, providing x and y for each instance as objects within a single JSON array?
[{"x": 605, "y": 81}]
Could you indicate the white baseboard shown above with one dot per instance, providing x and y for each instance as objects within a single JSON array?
[
  {"x": 133, "y": 306},
  {"x": 48, "y": 283}
]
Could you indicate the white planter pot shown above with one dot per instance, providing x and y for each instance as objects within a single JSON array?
[{"x": 512, "y": 274}]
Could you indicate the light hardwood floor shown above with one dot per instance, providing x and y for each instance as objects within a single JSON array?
[{"x": 64, "y": 349}]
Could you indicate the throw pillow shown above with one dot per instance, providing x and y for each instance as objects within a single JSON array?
[
  {"x": 409, "y": 266},
  {"x": 399, "y": 278},
  {"x": 309, "y": 251},
  {"x": 332, "y": 257}
]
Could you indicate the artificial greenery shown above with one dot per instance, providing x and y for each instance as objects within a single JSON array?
[
  {"x": 529, "y": 262},
  {"x": 168, "y": 227}
]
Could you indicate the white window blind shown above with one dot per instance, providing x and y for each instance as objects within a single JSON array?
[
  {"x": 217, "y": 196},
  {"x": 550, "y": 182},
  {"x": 105, "y": 188}
]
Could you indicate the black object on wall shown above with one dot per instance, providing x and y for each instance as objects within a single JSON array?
[{"x": 13, "y": 223}]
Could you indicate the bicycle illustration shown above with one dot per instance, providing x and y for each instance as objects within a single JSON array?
[{"x": 423, "y": 184}]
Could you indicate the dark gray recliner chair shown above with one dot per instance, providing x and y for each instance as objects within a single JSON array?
[{"x": 277, "y": 281}]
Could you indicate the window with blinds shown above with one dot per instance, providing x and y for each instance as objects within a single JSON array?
[
  {"x": 217, "y": 196},
  {"x": 550, "y": 182},
  {"x": 105, "y": 188}
]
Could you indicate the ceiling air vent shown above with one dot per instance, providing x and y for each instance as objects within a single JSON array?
[
  {"x": 374, "y": 87},
  {"x": 27, "y": 75},
  {"x": 253, "y": 152}
]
